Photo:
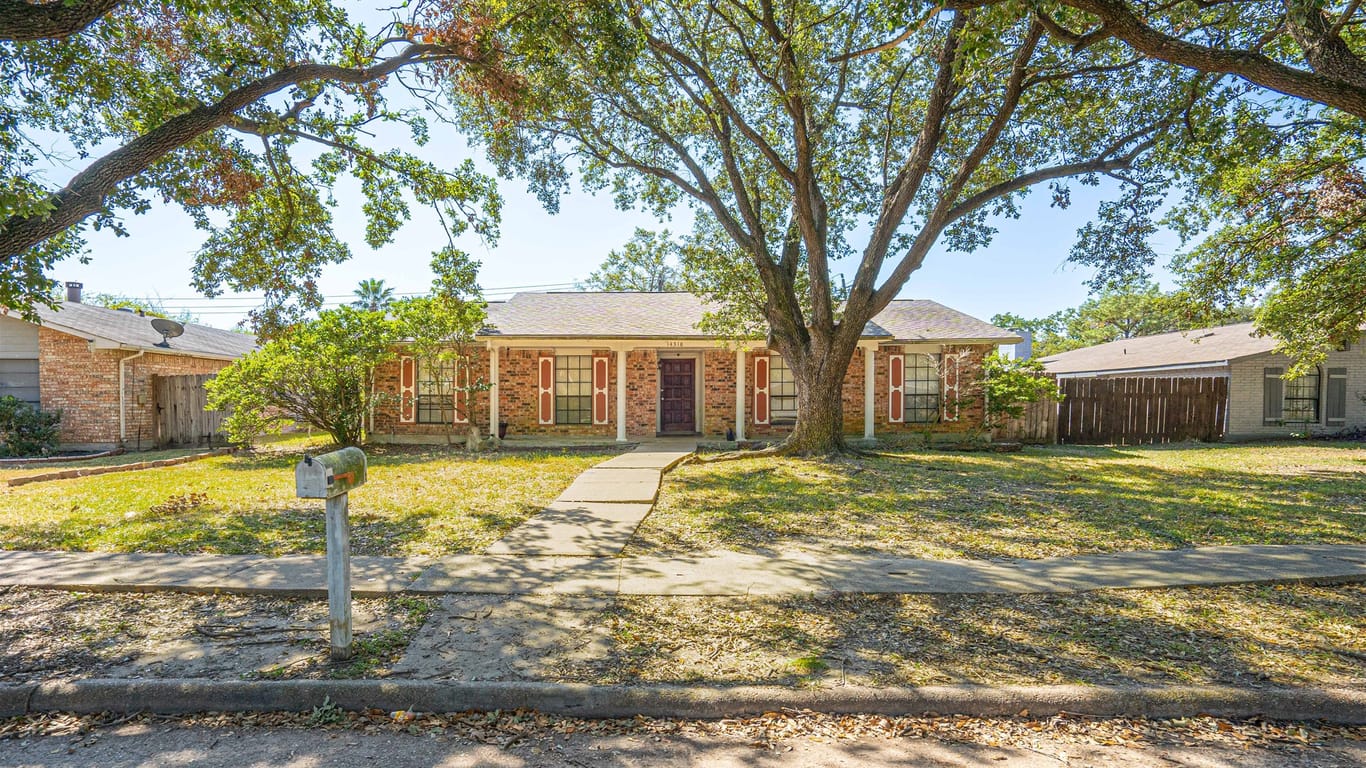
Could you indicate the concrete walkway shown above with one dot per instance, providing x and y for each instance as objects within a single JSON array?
[
  {"x": 711, "y": 574},
  {"x": 597, "y": 514}
]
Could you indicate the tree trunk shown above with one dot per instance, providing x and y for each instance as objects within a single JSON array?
[{"x": 820, "y": 403}]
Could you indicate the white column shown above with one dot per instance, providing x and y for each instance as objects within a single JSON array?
[
  {"x": 740, "y": 393},
  {"x": 493, "y": 390},
  {"x": 621, "y": 395},
  {"x": 868, "y": 370}
]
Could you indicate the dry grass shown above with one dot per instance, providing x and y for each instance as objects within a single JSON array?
[
  {"x": 417, "y": 502},
  {"x": 1242, "y": 636},
  {"x": 1042, "y": 502}
]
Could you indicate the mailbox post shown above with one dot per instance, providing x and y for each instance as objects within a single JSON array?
[{"x": 330, "y": 476}]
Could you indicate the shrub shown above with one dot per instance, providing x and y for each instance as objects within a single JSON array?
[{"x": 25, "y": 430}]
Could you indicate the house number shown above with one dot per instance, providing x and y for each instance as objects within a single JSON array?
[{"x": 673, "y": 344}]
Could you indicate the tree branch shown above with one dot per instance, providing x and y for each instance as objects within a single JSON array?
[
  {"x": 22, "y": 21},
  {"x": 84, "y": 195}
]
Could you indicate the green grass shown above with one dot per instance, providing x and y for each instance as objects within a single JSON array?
[
  {"x": 1039, "y": 503},
  {"x": 416, "y": 502}
]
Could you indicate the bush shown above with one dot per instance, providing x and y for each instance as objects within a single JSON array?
[{"x": 25, "y": 430}]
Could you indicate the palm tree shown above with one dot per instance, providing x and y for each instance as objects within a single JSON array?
[{"x": 374, "y": 295}]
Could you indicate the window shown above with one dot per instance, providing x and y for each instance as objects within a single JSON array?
[
  {"x": 1302, "y": 399},
  {"x": 922, "y": 389},
  {"x": 436, "y": 392},
  {"x": 782, "y": 390},
  {"x": 573, "y": 389}
]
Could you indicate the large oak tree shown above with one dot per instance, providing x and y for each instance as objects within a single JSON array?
[
  {"x": 243, "y": 113},
  {"x": 754, "y": 113}
]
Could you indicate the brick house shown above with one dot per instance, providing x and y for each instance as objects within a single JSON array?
[
  {"x": 630, "y": 365},
  {"x": 1261, "y": 401},
  {"x": 98, "y": 365}
]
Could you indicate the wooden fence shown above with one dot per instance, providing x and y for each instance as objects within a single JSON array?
[
  {"x": 181, "y": 415},
  {"x": 1133, "y": 411},
  {"x": 1038, "y": 424}
]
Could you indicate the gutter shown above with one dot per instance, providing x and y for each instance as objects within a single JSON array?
[{"x": 123, "y": 395}]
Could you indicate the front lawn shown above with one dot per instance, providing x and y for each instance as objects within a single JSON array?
[
  {"x": 1244, "y": 636},
  {"x": 417, "y": 502},
  {"x": 1043, "y": 502}
]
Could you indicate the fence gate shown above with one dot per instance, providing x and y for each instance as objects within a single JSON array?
[
  {"x": 181, "y": 418},
  {"x": 1133, "y": 411}
]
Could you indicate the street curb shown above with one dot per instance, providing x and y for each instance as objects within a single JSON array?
[{"x": 181, "y": 696}]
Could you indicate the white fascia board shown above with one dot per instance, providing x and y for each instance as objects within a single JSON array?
[{"x": 1140, "y": 371}]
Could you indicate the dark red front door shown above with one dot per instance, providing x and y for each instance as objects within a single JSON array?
[{"x": 676, "y": 393}]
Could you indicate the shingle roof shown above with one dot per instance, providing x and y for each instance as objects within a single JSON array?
[
  {"x": 925, "y": 320},
  {"x": 1202, "y": 346},
  {"x": 584, "y": 314},
  {"x": 132, "y": 330}
]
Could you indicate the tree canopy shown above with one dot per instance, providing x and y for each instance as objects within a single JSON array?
[
  {"x": 757, "y": 115},
  {"x": 1117, "y": 312},
  {"x": 650, "y": 261},
  {"x": 244, "y": 114}
]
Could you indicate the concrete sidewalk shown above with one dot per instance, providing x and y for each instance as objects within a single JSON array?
[
  {"x": 597, "y": 514},
  {"x": 706, "y": 574}
]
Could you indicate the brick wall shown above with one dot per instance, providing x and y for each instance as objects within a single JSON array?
[
  {"x": 1246, "y": 379},
  {"x": 387, "y": 389},
  {"x": 518, "y": 395},
  {"x": 84, "y": 384}
]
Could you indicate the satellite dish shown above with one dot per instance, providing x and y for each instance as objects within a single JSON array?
[{"x": 169, "y": 329}]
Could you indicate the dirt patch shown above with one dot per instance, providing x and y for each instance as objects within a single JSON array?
[
  {"x": 48, "y": 634},
  {"x": 1239, "y": 636}
]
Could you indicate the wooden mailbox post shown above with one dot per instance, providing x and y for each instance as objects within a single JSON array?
[{"x": 330, "y": 476}]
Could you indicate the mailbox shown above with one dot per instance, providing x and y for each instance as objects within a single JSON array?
[{"x": 331, "y": 474}]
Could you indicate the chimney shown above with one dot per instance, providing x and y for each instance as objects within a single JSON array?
[
  {"x": 73, "y": 292},
  {"x": 1025, "y": 349}
]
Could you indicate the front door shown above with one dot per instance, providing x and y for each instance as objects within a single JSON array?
[{"x": 676, "y": 395}]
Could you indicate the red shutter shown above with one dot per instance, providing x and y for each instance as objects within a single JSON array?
[
  {"x": 462, "y": 393},
  {"x": 896, "y": 388},
  {"x": 407, "y": 390},
  {"x": 600, "y": 390},
  {"x": 545, "y": 386},
  {"x": 760, "y": 389}
]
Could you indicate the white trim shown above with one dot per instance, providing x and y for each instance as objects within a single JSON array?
[
  {"x": 740, "y": 393},
  {"x": 493, "y": 390},
  {"x": 621, "y": 396},
  {"x": 123, "y": 396},
  {"x": 869, "y": 392},
  {"x": 1154, "y": 369}
]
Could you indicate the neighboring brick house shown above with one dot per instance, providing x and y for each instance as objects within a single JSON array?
[
  {"x": 630, "y": 365},
  {"x": 97, "y": 366},
  {"x": 1261, "y": 401}
]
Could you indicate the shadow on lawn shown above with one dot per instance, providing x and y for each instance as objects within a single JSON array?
[
  {"x": 1035, "y": 504},
  {"x": 1198, "y": 636}
]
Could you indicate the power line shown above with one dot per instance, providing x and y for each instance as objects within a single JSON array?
[{"x": 487, "y": 291}]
